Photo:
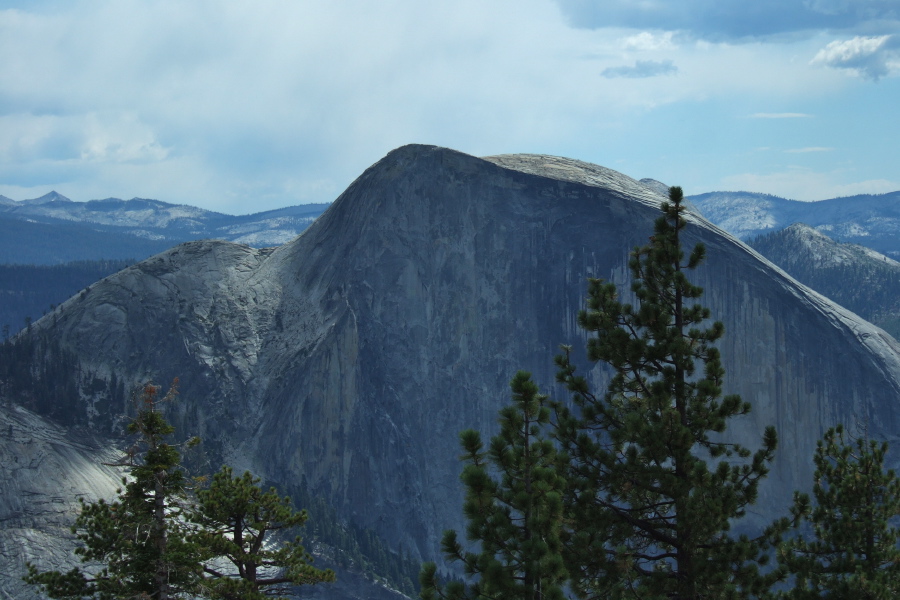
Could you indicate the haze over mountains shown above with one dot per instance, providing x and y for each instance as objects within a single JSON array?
[
  {"x": 872, "y": 221},
  {"x": 136, "y": 228},
  {"x": 854, "y": 276},
  {"x": 130, "y": 229},
  {"x": 52, "y": 247},
  {"x": 350, "y": 358}
]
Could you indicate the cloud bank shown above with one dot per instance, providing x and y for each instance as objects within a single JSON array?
[
  {"x": 869, "y": 57},
  {"x": 246, "y": 106}
]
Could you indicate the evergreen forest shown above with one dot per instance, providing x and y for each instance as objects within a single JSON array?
[
  {"x": 867, "y": 286},
  {"x": 28, "y": 292}
]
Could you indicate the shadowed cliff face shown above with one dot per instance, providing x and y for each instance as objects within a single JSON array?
[{"x": 354, "y": 355}]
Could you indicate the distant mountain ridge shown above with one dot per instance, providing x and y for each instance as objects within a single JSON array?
[
  {"x": 350, "y": 358},
  {"x": 869, "y": 220},
  {"x": 856, "y": 277},
  {"x": 119, "y": 229}
]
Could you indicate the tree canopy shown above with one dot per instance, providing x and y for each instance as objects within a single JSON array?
[
  {"x": 849, "y": 546},
  {"x": 653, "y": 476},
  {"x": 645, "y": 484},
  {"x": 159, "y": 540},
  {"x": 514, "y": 508},
  {"x": 237, "y": 521},
  {"x": 141, "y": 541}
]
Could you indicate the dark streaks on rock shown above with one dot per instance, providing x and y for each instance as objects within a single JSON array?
[{"x": 354, "y": 355}]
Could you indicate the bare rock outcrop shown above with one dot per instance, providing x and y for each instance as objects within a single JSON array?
[
  {"x": 46, "y": 468},
  {"x": 351, "y": 357}
]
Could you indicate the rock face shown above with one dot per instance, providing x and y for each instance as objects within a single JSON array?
[
  {"x": 45, "y": 470},
  {"x": 351, "y": 357}
]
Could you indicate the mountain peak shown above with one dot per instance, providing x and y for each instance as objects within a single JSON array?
[
  {"x": 800, "y": 243},
  {"x": 343, "y": 358},
  {"x": 854, "y": 276},
  {"x": 804, "y": 230},
  {"x": 869, "y": 220},
  {"x": 47, "y": 198},
  {"x": 657, "y": 186}
]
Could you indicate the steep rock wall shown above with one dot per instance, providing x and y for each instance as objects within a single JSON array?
[{"x": 352, "y": 357}]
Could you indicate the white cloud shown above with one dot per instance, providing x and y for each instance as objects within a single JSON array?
[
  {"x": 870, "y": 57},
  {"x": 119, "y": 138},
  {"x": 94, "y": 137},
  {"x": 274, "y": 92},
  {"x": 647, "y": 40}
]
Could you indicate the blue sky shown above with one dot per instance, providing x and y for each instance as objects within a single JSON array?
[{"x": 247, "y": 106}]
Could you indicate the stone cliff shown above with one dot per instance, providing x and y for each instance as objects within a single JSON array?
[{"x": 351, "y": 357}]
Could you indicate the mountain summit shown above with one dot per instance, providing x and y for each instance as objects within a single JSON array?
[
  {"x": 47, "y": 198},
  {"x": 350, "y": 358}
]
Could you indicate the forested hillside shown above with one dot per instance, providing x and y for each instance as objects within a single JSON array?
[
  {"x": 25, "y": 242},
  {"x": 29, "y": 291},
  {"x": 870, "y": 220},
  {"x": 53, "y": 229},
  {"x": 866, "y": 282}
]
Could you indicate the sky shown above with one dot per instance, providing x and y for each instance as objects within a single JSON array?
[{"x": 245, "y": 106}]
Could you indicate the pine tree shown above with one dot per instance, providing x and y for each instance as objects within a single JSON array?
[
  {"x": 157, "y": 541},
  {"x": 654, "y": 488},
  {"x": 514, "y": 508},
  {"x": 237, "y": 522},
  {"x": 140, "y": 539},
  {"x": 852, "y": 549}
]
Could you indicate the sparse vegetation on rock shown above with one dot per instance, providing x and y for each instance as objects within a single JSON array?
[{"x": 157, "y": 540}]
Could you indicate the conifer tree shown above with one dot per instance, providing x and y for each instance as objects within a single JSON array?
[
  {"x": 140, "y": 539},
  {"x": 654, "y": 485},
  {"x": 158, "y": 541},
  {"x": 514, "y": 509},
  {"x": 852, "y": 549},
  {"x": 237, "y": 522}
]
